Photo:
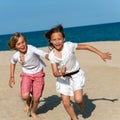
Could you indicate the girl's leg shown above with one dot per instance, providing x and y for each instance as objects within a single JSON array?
[
  {"x": 78, "y": 97},
  {"x": 68, "y": 107}
]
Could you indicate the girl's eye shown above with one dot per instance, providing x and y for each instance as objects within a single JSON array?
[{"x": 53, "y": 40}]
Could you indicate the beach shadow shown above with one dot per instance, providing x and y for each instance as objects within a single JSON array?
[
  {"x": 90, "y": 106},
  {"x": 49, "y": 104}
]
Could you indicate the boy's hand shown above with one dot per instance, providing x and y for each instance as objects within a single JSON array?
[{"x": 11, "y": 82}]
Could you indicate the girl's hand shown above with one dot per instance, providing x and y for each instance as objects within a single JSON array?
[
  {"x": 105, "y": 56},
  {"x": 11, "y": 82},
  {"x": 63, "y": 70}
]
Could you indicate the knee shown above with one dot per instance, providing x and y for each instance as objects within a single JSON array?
[
  {"x": 66, "y": 103},
  {"x": 25, "y": 96},
  {"x": 78, "y": 100}
]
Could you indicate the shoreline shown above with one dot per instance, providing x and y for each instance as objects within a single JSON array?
[{"x": 107, "y": 46}]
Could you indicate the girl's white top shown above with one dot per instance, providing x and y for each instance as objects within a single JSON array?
[
  {"x": 68, "y": 57},
  {"x": 67, "y": 85},
  {"x": 33, "y": 62}
]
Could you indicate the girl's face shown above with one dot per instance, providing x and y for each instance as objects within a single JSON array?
[
  {"x": 21, "y": 45},
  {"x": 57, "y": 40}
]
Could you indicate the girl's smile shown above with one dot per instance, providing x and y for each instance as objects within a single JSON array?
[{"x": 57, "y": 40}]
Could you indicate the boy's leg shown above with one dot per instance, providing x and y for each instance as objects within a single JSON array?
[
  {"x": 27, "y": 105},
  {"x": 68, "y": 107},
  {"x": 34, "y": 106},
  {"x": 38, "y": 86},
  {"x": 25, "y": 91}
]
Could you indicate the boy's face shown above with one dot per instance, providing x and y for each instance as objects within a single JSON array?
[{"x": 21, "y": 45}]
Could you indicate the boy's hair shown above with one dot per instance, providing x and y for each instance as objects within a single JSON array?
[
  {"x": 14, "y": 40},
  {"x": 58, "y": 28}
]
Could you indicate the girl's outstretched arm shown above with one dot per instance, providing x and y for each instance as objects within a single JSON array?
[{"x": 103, "y": 55}]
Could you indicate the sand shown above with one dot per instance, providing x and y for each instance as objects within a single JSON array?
[{"x": 101, "y": 91}]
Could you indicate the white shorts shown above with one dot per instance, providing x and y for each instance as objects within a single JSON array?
[{"x": 67, "y": 85}]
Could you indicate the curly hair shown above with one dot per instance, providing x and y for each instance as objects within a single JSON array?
[{"x": 14, "y": 40}]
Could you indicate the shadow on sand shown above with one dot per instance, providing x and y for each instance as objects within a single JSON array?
[
  {"x": 53, "y": 101},
  {"x": 49, "y": 104},
  {"x": 90, "y": 106}
]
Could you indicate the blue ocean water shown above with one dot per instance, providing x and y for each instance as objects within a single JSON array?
[{"x": 91, "y": 33}]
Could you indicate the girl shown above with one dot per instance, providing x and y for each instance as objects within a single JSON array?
[
  {"x": 32, "y": 77},
  {"x": 70, "y": 77}
]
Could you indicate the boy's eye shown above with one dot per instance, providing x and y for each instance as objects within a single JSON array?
[{"x": 18, "y": 44}]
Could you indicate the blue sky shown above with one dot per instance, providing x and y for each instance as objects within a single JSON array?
[{"x": 34, "y": 15}]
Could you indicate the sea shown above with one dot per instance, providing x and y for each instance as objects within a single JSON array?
[{"x": 79, "y": 34}]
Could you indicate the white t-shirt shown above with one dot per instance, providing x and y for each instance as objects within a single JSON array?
[
  {"x": 68, "y": 57},
  {"x": 33, "y": 62}
]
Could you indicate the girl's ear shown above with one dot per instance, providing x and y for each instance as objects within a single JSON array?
[{"x": 64, "y": 39}]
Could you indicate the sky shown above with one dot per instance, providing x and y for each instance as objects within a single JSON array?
[{"x": 36, "y": 15}]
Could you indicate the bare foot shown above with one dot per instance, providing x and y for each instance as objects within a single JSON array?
[
  {"x": 28, "y": 106},
  {"x": 76, "y": 119},
  {"x": 27, "y": 109},
  {"x": 82, "y": 106},
  {"x": 36, "y": 117}
]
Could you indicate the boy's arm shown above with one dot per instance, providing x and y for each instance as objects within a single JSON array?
[{"x": 12, "y": 71}]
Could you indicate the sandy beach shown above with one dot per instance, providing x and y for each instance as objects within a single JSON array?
[{"x": 101, "y": 91}]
